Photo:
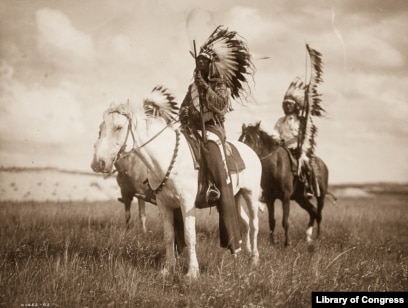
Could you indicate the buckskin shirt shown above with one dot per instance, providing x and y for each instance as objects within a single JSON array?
[
  {"x": 288, "y": 129},
  {"x": 216, "y": 103}
]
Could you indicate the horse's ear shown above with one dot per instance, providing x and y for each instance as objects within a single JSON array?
[
  {"x": 258, "y": 124},
  {"x": 243, "y": 127}
]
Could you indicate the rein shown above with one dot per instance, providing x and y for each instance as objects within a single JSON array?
[
  {"x": 242, "y": 139},
  {"x": 123, "y": 147},
  {"x": 121, "y": 154},
  {"x": 266, "y": 156},
  {"x": 173, "y": 160}
]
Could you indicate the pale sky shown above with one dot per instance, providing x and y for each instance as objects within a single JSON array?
[{"x": 63, "y": 62}]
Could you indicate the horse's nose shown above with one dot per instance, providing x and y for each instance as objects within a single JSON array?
[
  {"x": 98, "y": 165},
  {"x": 101, "y": 164}
]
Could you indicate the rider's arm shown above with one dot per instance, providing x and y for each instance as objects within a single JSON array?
[
  {"x": 184, "y": 112},
  {"x": 217, "y": 97}
]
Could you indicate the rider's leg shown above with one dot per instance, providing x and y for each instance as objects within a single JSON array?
[{"x": 230, "y": 235}]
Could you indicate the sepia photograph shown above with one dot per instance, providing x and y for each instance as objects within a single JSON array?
[{"x": 222, "y": 153}]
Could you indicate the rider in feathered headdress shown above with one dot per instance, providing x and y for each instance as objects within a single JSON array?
[
  {"x": 222, "y": 68},
  {"x": 296, "y": 128},
  {"x": 287, "y": 127}
]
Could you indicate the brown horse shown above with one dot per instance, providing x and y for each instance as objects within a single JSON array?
[
  {"x": 279, "y": 182},
  {"x": 131, "y": 174}
]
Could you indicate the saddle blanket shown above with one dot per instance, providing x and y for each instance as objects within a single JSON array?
[{"x": 234, "y": 160}]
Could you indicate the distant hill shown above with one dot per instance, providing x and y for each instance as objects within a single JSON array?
[
  {"x": 45, "y": 169},
  {"x": 53, "y": 184},
  {"x": 374, "y": 188}
]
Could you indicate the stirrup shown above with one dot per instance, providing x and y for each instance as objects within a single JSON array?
[
  {"x": 149, "y": 196},
  {"x": 213, "y": 193},
  {"x": 309, "y": 195}
]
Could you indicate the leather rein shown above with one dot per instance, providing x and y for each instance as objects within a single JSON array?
[
  {"x": 122, "y": 153},
  {"x": 242, "y": 139}
]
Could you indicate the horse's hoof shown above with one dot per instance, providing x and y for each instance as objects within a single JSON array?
[
  {"x": 272, "y": 239},
  {"x": 192, "y": 275},
  {"x": 247, "y": 248},
  {"x": 309, "y": 234},
  {"x": 311, "y": 247},
  {"x": 165, "y": 272},
  {"x": 254, "y": 261}
]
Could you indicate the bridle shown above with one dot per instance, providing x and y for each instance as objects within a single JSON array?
[
  {"x": 122, "y": 153},
  {"x": 242, "y": 139},
  {"x": 122, "y": 149}
]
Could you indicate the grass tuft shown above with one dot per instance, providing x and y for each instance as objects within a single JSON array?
[{"x": 80, "y": 254}]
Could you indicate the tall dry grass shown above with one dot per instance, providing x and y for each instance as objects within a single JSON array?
[{"x": 77, "y": 254}]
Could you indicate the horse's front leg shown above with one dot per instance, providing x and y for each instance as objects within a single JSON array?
[
  {"x": 167, "y": 216},
  {"x": 244, "y": 225},
  {"x": 285, "y": 217},
  {"x": 142, "y": 214},
  {"x": 127, "y": 203},
  {"x": 189, "y": 216},
  {"x": 271, "y": 219},
  {"x": 253, "y": 226},
  {"x": 310, "y": 208},
  {"x": 126, "y": 199},
  {"x": 254, "y": 230},
  {"x": 320, "y": 206}
]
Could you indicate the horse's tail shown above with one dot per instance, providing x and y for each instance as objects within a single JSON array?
[
  {"x": 261, "y": 206},
  {"x": 333, "y": 197}
]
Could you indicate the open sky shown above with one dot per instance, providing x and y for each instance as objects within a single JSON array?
[{"x": 63, "y": 62}]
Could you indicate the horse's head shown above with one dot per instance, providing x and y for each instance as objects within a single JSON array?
[
  {"x": 113, "y": 135},
  {"x": 121, "y": 120},
  {"x": 250, "y": 136},
  {"x": 257, "y": 139}
]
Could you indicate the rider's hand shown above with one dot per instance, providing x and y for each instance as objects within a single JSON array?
[
  {"x": 199, "y": 81},
  {"x": 183, "y": 114}
]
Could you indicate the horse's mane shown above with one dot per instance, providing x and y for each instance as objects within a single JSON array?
[
  {"x": 134, "y": 111},
  {"x": 160, "y": 103},
  {"x": 267, "y": 140},
  {"x": 122, "y": 108}
]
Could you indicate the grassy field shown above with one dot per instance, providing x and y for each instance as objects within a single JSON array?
[{"x": 78, "y": 254}]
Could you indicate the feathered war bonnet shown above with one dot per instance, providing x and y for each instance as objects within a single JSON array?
[
  {"x": 307, "y": 96},
  {"x": 161, "y": 103},
  {"x": 295, "y": 93},
  {"x": 230, "y": 60}
]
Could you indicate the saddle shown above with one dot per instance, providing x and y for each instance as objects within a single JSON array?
[
  {"x": 293, "y": 159},
  {"x": 208, "y": 194},
  {"x": 308, "y": 177},
  {"x": 234, "y": 160}
]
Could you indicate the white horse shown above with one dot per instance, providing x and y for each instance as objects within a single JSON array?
[{"x": 171, "y": 173}]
